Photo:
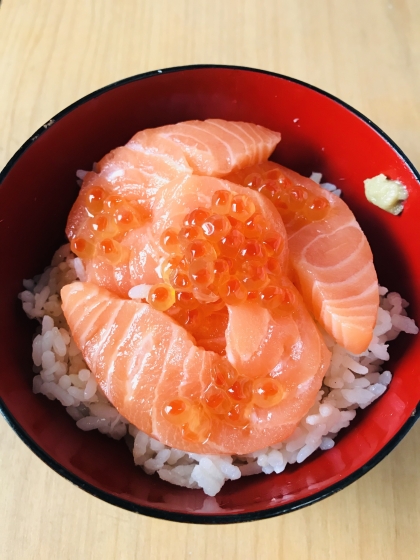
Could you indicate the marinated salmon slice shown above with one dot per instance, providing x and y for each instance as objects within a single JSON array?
[
  {"x": 330, "y": 256},
  {"x": 157, "y": 377}
]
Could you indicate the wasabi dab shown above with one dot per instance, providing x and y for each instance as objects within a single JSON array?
[{"x": 385, "y": 193}]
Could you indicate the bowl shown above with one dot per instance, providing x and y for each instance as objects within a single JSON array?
[{"x": 319, "y": 133}]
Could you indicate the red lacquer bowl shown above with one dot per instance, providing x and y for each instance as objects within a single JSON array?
[{"x": 319, "y": 133}]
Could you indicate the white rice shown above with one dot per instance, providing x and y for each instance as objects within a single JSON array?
[{"x": 350, "y": 383}]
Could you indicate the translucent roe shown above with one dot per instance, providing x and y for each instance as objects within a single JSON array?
[
  {"x": 294, "y": 202},
  {"x": 161, "y": 297},
  {"x": 229, "y": 398},
  {"x": 110, "y": 217},
  {"x": 223, "y": 255}
]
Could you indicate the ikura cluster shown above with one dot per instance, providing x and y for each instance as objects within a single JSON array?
[
  {"x": 292, "y": 201},
  {"x": 108, "y": 218},
  {"x": 229, "y": 398},
  {"x": 223, "y": 255}
]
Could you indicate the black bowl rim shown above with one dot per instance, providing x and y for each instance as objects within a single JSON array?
[{"x": 187, "y": 517}]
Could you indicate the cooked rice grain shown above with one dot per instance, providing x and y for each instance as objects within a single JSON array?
[{"x": 351, "y": 382}]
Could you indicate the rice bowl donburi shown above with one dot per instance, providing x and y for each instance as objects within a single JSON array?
[{"x": 208, "y": 445}]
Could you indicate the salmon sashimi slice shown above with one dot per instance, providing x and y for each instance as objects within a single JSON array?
[
  {"x": 172, "y": 204},
  {"x": 138, "y": 267},
  {"x": 135, "y": 172},
  {"x": 189, "y": 398},
  {"x": 215, "y": 147},
  {"x": 331, "y": 258},
  {"x": 154, "y": 157},
  {"x": 274, "y": 340},
  {"x": 171, "y": 208}
]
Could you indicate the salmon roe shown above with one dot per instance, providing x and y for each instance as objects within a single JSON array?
[
  {"x": 110, "y": 217},
  {"x": 229, "y": 398},
  {"x": 227, "y": 254},
  {"x": 161, "y": 297},
  {"x": 223, "y": 255},
  {"x": 294, "y": 202}
]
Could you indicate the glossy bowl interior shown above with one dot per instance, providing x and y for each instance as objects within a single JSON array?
[{"x": 319, "y": 133}]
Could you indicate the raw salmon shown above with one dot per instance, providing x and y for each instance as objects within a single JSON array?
[
  {"x": 216, "y": 147},
  {"x": 136, "y": 173},
  {"x": 171, "y": 205},
  {"x": 153, "y": 373},
  {"x": 219, "y": 353},
  {"x": 331, "y": 258},
  {"x": 144, "y": 265},
  {"x": 155, "y": 157}
]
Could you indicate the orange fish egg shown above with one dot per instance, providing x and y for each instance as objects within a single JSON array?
[
  {"x": 233, "y": 292},
  {"x": 224, "y": 375},
  {"x": 188, "y": 234},
  {"x": 241, "y": 390},
  {"x": 179, "y": 279},
  {"x": 254, "y": 275},
  {"x": 178, "y": 411},
  {"x": 298, "y": 198},
  {"x": 216, "y": 400},
  {"x": 102, "y": 225},
  {"x": 278, "y": 176},
  {"x": 169, "y": 241},
  {"x": 254, "y": 227},
  {"x": 221, "y": 271},
  {"x": 198, "y": 249},
  {"x": 161, "y": 297},
  {"x": 111, "y": 250},
  {"x": 221, "y": 202},
  {"x": 186, "y": 300},
  {"x": 94, "y": 200},
  {"x": 253, "y": 296},
  {"x": 125, "y": 219},
  {"x": 272, "y": 190},
  {"x": 198, "y": 427},
  {"x": 205, "y": 295},
  {"x": 230, "y": 245},
  {"x": 212, "y": 307},
  {"x": 274, "y": 296},
  {"x": 197, "y": 217},
  {"x": 253, "y": 181},
  {"x": 236, "y": 224},
  {"x": 239, "y": 415},
  {"x": 242, "y": 207},
  {"x": 170, "y": 264},
  {"x": 187, "y": 318},
  {"x": 253, "y": 250},
  {"x": 273, "y": 243},
  {"x": 273, "y": 266},
  {"x": 82, "y": 247},
  {"x": 274, "y": 175},
  {"x": 216, "y": 227},
  {"x": 201, "y": 272},
  {"x": 267, "y": 392},
  {"x": 316, "y": 209}
]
